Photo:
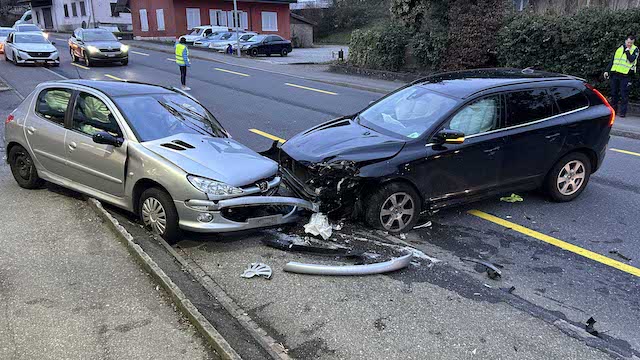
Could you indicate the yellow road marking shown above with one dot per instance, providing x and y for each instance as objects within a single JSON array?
[
  {"x": 80, "y": 66},
  {"x": 114, "y": 77},
  {"x": 138, "y": 53},
  {"x": 267, "y": 135},
  {"x": 311, "y": 89},
  {"x": 559, "y": 243},
  {"x": 625, "y": 152},
  {"x": 231, "y": 72}
]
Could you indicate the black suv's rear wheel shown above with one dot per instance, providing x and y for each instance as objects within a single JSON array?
[
  {"x": 569, "y": 177},
  {"x": 394, "y": 207},
  {"x": 158, "y": 214},
  {"x": 23, "y": 169}
]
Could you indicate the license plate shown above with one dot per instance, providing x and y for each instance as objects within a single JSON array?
[
  {"x": 111, "y": 55},
  {"x": 41, "y": 61}
]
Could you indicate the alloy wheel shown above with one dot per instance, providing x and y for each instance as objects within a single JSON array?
[
  {"x": 571, "y": 177},
  {"x": 154, "y": 215},
  {"x": 397, "y": 211}
]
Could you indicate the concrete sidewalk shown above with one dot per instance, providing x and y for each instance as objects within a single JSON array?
[
  {"x": 70, "y": 290},
  {"x": 628, "y": 127}
]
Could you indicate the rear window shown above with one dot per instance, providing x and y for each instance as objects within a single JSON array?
[
  {"x": 528, "y": 106},
  {"x": 569, "y": 98}
]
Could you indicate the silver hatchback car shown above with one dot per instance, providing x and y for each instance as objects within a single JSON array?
[{"x": 150, "y": 150}]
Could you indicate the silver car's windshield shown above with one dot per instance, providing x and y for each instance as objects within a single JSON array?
[
  {"x": 407, "y": 113},
  {"x": 98, "y": 36},
  {"x": 158, "y": 116},
  {"x": 30, "y": 39}
]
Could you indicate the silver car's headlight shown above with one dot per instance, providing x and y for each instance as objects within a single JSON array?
[
  {"x": 22, "y": 54},
  {"x": 92, "y": 49},
  {"x": 213, "y": 187}
]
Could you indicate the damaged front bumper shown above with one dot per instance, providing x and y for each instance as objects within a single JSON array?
[{"x": 243, "y": 213}]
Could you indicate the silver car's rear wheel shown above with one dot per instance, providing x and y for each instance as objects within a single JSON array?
[{"x": 154, "y": 216}]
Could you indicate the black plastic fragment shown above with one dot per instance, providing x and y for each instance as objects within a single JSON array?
[
  {"x": 589, "y": 328},
  {"x": 287, "y": 245}
]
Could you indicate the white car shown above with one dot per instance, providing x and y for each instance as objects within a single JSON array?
[
  {"x": 201, "y": 32},
  {"x": 4, "y": 32},
  {"x": 30, "y": 48},
  {"x": 223, "y": 43},
  {"x": 24, "y": 19}
]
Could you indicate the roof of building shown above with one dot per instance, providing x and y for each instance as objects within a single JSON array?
[{"x": 303, "y": 19}]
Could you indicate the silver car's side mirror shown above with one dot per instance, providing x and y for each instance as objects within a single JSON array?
[{"x": 105, "y": 138}]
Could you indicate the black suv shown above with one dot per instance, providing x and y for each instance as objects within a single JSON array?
[
  {"x": 97, "y": 45},
  {"x": 453, "y": 138}
]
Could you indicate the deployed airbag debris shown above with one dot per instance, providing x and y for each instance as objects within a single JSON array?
[
  {"x": 257, "y": 269},
  {"x": 319, "y": 225},
  {"x": 350, "y": 270}
]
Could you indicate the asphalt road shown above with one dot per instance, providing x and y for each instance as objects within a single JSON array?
[{"x": 546, "y": 276}]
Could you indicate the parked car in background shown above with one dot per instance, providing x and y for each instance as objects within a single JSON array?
[
  {"x": 231, "y": 39},
  {"x": 30, "y": 28},
  {"x": 267, "y": 45},
  {"x": 201, "y": 32},
  {"x": 24, "y": 19},
  {"x": 453, "y": 138},
  {"x": 150, "y": 150},
  {"x": 214, "y": 36},
  {"x": 97, "y": 46},
  {"x": 4, "y": 32},
  {"x": 30, "y": 48}
]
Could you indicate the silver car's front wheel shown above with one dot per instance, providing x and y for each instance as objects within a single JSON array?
[
  {"x": 158, "y": 213},
  {"x": 154, "y": 216}
]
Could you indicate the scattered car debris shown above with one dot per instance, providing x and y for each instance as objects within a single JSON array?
[
  {"x": 511, "y": 289},
  {"x": 511, "y": 199},
  {"x": 350, "y": 270},
  {"x": 258, "y": 269},
  {"x": 319, "y": 225},
  {"x": 403, "y": 236},
  {"x": 427, "y": 224},
  {"x": 288, "y": 245},
  {"x": 589, "y": 328},
  {"x": 492, "y": 269},
  {"x": 621, "y": 256}
]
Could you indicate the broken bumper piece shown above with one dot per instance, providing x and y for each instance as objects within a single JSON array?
[
  {"x": 350, "y": 270},
  {"x": 243, "y": 213}
]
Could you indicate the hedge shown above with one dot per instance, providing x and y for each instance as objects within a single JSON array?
[
  {"x": 581, "y": 45},
  {"x": 380, "y": 48}
]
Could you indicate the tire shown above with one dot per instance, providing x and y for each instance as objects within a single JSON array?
[
  {"x": 23, "y": 169},
  {"x": 156, "y": 205},
  {"x": 380, "y": 211},
  {"x": 284, "y": 52},
  {"x": 87, "y": 61},
  {"x": 253, "y": 52},
  {"x": 568, "y": 177},
  {"x": 73, "y": 56}
]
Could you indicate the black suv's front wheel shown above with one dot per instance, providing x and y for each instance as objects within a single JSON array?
[{"x": 394, "y": 207}]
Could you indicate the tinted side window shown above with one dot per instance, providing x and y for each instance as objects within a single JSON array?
[
  {"x": 569, "y": 99},
  {"x": 478, "y": 117},
  {"x": 91, "y": 116},
  {"x": 527, "y": 106},
  {"x": 52, "y": 104}
]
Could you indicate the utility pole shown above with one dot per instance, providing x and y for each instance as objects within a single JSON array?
[{"x": 236, "y": 18}]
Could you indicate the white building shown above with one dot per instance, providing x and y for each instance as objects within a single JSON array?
[{"x": 67, "y": 15}]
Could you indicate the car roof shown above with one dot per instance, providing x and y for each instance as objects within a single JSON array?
[
  {"x": 120, "y": 88},
  {"x": 27, "y": 33},
  {"x": 95, "y": 30},
  {"x": 463, "y": 84}
]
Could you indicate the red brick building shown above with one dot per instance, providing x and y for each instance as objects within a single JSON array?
[{"x": 168, "y": 19}]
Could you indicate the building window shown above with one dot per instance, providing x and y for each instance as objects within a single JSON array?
[
  {"x": 83, "y": 9},
  {"x": 144, "y": 22},
  {"x": 244, "y": 21},
  {"x": 66, "y": 10},
  {"x": 217, "y": 18},
  {"x": 114, "y": 10},
  {"x": 269, "y": 21},
  {"x": 160, "y": 19},
  {"x": 74, "y": 10},
  {"x": 193, "y": 18}
]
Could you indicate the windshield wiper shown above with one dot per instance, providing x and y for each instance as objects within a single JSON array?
[
  {"x": 199, "y": 116},
  {"x": 178, "y": 115}
]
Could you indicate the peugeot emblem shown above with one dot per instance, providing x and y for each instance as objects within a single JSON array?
[{"x": 263, "y": 186}]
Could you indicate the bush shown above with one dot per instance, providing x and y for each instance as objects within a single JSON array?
[
  {"x": 382, "y": 48},
  {"x": 581, "y": 45}
]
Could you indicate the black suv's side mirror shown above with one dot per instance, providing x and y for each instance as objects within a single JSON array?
[
  {"x": 449, "y": 137},
  {"x": 105, "y": 138}
]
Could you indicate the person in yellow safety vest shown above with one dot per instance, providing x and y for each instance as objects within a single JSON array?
[
  {"x": 621, "y": 69},
  {"x": 182, "y": 59}
]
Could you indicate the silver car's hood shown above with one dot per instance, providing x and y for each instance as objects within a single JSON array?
[
  {"x": 36, "y": 47},
  {"x": 219, "y": 159}
]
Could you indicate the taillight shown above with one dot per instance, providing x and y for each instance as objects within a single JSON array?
[
  {"x": 604, "y": 101},
  {"x": 9, "y": 119}
]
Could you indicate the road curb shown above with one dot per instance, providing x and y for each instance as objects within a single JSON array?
[
  {"x": 627, "y": 134},
  {"x": 205, "y": 328},
  {"x": 336, "y": 83}
]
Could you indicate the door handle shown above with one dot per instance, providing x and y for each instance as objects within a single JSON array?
[
  {"x": 31, "y": 130},
  {"x": 491, "y": 151},
  {"x": 552, "y": 136},
  {"x": 72, "y": 146}
]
